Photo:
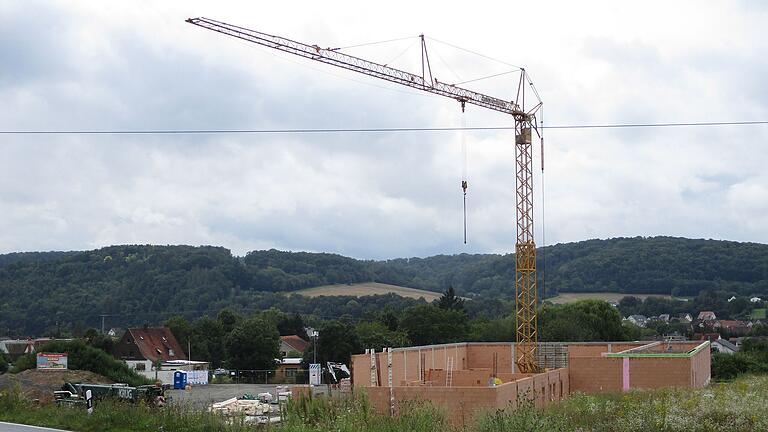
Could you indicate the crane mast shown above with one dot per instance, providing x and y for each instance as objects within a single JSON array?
[{"x": 526, "y": 292}]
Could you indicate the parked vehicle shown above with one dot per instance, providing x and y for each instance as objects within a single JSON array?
[{"x": 74, "y": 393}]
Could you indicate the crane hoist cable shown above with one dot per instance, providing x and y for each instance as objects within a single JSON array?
[{"x": 464, "y": 183}]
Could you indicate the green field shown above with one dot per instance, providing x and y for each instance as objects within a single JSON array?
[
  {"x": 607, "y": 296},
  {"x": 367, "y": 288},
  {"x": 758, "y": 314},
  {"x": 737, "y": 406}
]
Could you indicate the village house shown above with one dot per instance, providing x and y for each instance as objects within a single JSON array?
[
  {"x": 638, "y": 320},
  {"x": 142, "y": 348},
  {"x": 724, "y": 346},
  {"x": 706, "y": 316},
  {"x": 289, "y": 364},
  {"x": 292, "y": 343},
  {"x": 683, "y": 318},
  {"x": 155, "y": 353},
  {"x": 733, "y": 327}
]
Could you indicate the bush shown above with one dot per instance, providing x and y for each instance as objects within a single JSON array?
[
  {"x": 86, "y": 357},
  {"x": 3, "y": 364},
  {"x": 729, "y": 366}
]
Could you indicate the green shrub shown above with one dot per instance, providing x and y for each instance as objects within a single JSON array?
[
  {"x": 729, "y": 366},
  {"x": 85, "y": 357}
]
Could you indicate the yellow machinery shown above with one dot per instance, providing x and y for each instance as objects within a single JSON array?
[{"x": 525, "y": 123}]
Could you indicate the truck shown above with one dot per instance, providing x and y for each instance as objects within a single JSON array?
[{"x": 74, "y": 393}]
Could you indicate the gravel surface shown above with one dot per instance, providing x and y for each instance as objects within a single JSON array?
[{"x": 203, "y": 396}]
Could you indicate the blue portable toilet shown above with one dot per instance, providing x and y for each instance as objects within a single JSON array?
[{"x": 180, "y": 380}]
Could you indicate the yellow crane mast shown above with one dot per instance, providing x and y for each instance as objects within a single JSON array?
[{"x": 525, "y": 123}]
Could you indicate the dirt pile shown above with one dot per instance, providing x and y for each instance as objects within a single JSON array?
[{"x": 40, "y": 384}]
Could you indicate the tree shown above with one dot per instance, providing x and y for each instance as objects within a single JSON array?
[
  {"x": 389, "y": 319},
  {"x": 449, "y": 300},
  {"x": 376, "y": 335},
  {"x": 427, "y": 324},
  {"x": 630, "y": 305},
  {"x": 582, "y": 321},
  {"x": 292, "y": 325},
  {"x": 228, "y": 319},
  {"x": 179, "y": 326},
  {"x": 99, "y": 340},
  {"x": 496, "y": 330},
  {"x": 253, "y": 344},
  {"x": 207, "y": 341},
  {"x": 3, "y": 364}
]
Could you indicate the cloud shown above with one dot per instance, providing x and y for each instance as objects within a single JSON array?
[{"x": 140, "y": 66}]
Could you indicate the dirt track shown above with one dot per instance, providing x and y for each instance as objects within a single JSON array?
[{"x": 40, "y": 384}]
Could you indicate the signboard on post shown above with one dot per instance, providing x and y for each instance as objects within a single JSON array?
[
  {"x": 89, "y": 401},
  {"x": 51, "y": 361},
  {"x": 314, "y": 374}
]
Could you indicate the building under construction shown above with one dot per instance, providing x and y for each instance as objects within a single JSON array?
[{"x": 469, "y": 378}]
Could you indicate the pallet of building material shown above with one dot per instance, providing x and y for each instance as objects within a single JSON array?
[{"x": 248, "y": 407}]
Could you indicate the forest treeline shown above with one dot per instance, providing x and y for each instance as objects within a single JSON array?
[{"x": 45, "y": 291}]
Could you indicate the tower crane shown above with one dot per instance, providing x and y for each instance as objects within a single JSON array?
[{"x": 525, "y": 122}]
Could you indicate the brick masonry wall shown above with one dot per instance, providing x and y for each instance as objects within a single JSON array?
[
  {"x": 595, "y": 374},
  {"x": 470, "y": 378},
  {"x": 590, "y": 372},
  {"x": 406, "y": 363},
  {"x": 701, "y": 371},
  {"x": 481, "y": 356},
  {"x": 463, "y": 404},
  {"x": 654, "y": 373}
]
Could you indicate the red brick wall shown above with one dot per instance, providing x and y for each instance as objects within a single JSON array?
[
  {"x": 405, "y": 363},
  {"x": 590, "y": 372},
  {"x": 594, "y": 374},
  {"x": 653, "y": 373},
  {"x": 481, "y": 356},
  {"x": 701, "y": 368},
  {"x": 463, "y": 404}
]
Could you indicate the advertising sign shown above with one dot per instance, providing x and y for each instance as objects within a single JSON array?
[{"x": 51, "y": 361}]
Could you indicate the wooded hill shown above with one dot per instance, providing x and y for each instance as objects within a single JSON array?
[{"x": 147, "y": 283}]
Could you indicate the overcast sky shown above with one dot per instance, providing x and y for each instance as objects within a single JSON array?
[{"x": 137, "y": 65}]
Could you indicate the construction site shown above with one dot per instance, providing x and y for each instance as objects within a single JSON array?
[{"x": 469, "y": 378}]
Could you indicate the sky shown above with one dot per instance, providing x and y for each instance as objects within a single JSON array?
[{"x": 93, "y": 65}]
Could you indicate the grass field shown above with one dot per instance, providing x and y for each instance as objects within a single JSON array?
[
  {"x": 607, "y": 296},
  {"x": 758, "y": 313},
  {"x": 367, "y": 288},
  {"x": 737, "y": 406}
]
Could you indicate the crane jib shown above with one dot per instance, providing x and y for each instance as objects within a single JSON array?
[{"x": 357, "y": 64}]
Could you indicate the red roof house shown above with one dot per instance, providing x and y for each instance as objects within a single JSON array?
[
  {"x": 292, "y": 343},
  {"x": 153, "y": 344}
]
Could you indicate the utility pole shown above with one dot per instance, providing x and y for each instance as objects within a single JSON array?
[
  {"x": 102, "y": 322},
  {"x": 315, "y": 335}
]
